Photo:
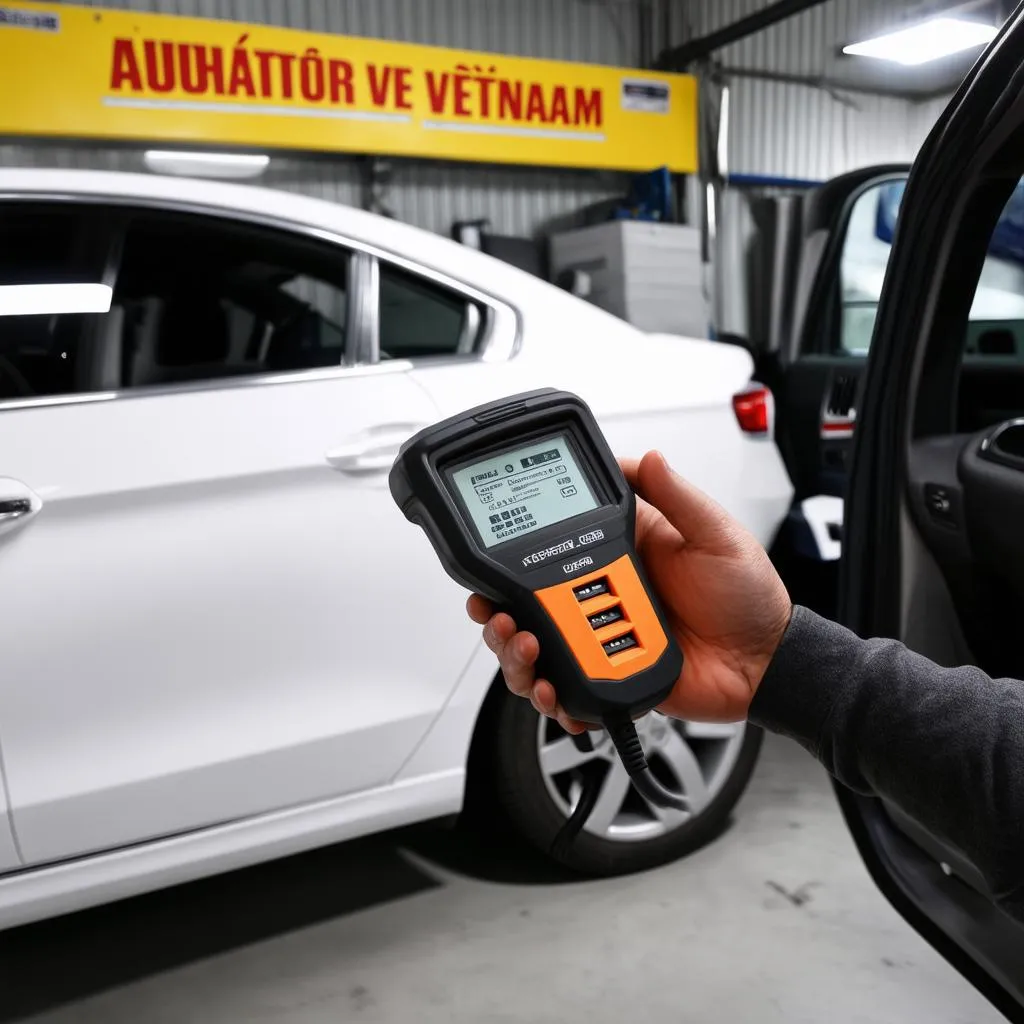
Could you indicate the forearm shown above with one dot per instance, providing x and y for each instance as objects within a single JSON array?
[{"x": 944, "y": 745}]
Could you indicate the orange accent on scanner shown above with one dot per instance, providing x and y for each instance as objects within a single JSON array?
[
  {"x": 593, "y": 605},
  {"x": 570, "y": 616}
]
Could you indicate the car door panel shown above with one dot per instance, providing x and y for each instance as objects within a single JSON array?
[
  {"x": 982, "y": 595},
  {"x": 9, "y": 856},
  {"x": 933, "y": 533},
  {"x": 204, "y": 628},
  {"x": 813, "y": 369},
  {"x": 957, "y": 920},
  {"x": 817, "y": 413},
  {"x": 991, "y": 390}
]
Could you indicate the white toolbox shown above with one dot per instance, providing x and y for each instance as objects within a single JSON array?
[{"x": 649, "y": 274}]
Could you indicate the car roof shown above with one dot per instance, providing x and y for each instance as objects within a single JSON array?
[{"x": 423, "y": 247}]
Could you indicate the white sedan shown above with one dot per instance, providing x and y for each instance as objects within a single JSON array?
[{"x": 221, "y": 641}]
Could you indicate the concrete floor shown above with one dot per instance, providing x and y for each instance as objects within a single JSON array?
[{"x": 775, "y": 921}]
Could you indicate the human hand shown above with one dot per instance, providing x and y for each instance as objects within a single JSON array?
[{"x": 723, "y": 598}]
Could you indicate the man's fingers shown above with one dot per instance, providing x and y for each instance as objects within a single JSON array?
[
  {"x": 570, "y": 725},
  {"x": 544, "y": 699},
  {"x": 630, "y": 468},
  {"x": 517, "y": 653},
  {"x": 516, "y": 660},
  {"x": 699, "y": 519},
  {"x": 479, "y": 608},
  {"x": 498, "y": 630}
]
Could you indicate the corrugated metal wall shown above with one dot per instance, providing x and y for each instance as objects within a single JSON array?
[
  {"x": 777, "y": 128},
  {"x": 799, "y": 131},
  {"x": 925, "y": 114},
  {"x": 430, "y": 194},
  {"x": 582, "y": 30},
  {"x": 794, "y": 130},
  {"x": 803, "y": 130}
]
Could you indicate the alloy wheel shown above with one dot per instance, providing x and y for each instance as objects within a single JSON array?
[{"x": 694, "y": 758}]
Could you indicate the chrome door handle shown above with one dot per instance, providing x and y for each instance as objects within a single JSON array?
[
  {"x": 374, "y": 451},
  {"x": 363, "y": 462},
  {"x": 18, "y": 504},
  {"x": 14, "y": 508}
]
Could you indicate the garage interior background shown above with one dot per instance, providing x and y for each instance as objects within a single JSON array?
[{"x": 799, "y": 110}]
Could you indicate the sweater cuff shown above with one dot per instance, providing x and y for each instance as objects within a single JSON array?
[{"x": 796, "y": 695}]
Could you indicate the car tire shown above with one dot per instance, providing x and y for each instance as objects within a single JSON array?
[{"x": 537, "y": 801}]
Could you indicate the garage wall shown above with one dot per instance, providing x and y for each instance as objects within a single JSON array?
[
  {"x": 927, "y": 113},
  {"x": 778, "y": 127},
  {"x": 796, "y": 129},
  {"x": 799, "y": 131},
  {"x": 517, "y": 200}
]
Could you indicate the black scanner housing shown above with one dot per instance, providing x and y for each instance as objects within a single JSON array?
[{"x": 421, "y": 486}]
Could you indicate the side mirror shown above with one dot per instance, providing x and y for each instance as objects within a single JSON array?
[{"x": 576, "y": 282}]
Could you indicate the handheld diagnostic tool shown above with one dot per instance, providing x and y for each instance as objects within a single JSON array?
[{"x": 525, "y": 504}]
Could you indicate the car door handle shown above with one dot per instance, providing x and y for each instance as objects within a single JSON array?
[
  {"x": 18, "y": 504},
  {"x": 14, "y": 508},
  {"x": 373, "y": 451}
]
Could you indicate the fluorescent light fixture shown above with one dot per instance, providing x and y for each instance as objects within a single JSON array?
[
  {"x": 36, "y": 299},
  {"x": 206, "y": 165},
  {"x": 925, "y": 41},
  {"x": 722, "y": 146}
]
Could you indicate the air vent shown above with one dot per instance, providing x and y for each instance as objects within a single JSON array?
[
  {"x": 838, "y": 416},
  {"x": 841, "y": 397}
]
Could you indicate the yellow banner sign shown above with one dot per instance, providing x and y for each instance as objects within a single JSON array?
[{"x": 89, "y": 73}]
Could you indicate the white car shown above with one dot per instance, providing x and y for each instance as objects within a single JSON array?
[{"x": 221, "y": 641}]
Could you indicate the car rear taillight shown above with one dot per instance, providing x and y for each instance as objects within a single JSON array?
[{"x": 752, "y": 409}]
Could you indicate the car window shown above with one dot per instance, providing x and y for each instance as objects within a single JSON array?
[
  {"x": 52, "y": 295},
  {"x": 194, "y": 298},
  {"x": 204, "y": 298},
  {"x": 421, "y": 318},
  {"x": 996, "y": 324}
]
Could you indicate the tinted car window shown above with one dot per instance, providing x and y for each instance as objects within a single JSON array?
[
  {"x": 52, "y": 296},
  {"x": 203, "y": 298},
  {"x": 420, "y": 318},
  {"x": 996, "y": 326},
  {"x": 141, "y": 299}
]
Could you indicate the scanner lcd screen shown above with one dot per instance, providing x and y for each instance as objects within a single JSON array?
[{"x": 520, "y": 490}]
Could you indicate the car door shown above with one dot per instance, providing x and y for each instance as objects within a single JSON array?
[
  {"x": 818, "y": 259},
  {"x": 203, "y": 619},
  {"x": 933, "y": 539}
]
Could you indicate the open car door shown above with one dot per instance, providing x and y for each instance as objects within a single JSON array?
[
  {"x": 933, "y": 534},
  {"x": 817, "y": 261}
]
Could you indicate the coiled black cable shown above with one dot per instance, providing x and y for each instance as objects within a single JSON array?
[
  {"x": 627, "y": 743},
  {"x": 631, "y": 753}
]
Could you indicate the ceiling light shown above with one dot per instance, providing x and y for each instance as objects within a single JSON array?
[
  {"x": 36, "y": 299},
  {"x": 206, "y": 165},
  {"x": 925, "y": 41}
]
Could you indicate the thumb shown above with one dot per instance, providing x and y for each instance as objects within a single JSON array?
[{"x": 700, "y": 520}]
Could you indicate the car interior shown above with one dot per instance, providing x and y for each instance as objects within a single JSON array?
[
  {"x": 935, "y": 552},
  {"x": 192, "y": 301},
  {"x": 189, "y": 302},
  {"x": 988, "y": 391},
  {"x": 817, "y": 379},
  {"x": 207, "y": 303},
  {"x": 962, "y": 549}
]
